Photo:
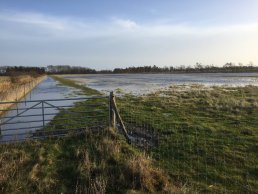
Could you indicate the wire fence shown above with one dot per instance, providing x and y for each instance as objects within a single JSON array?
[
  {"x": 201, "y": 147},
  {"x": 204, "y": 151}
]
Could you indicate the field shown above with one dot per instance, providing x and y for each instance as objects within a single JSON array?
[
  {"x": 93, "y": 162},
  {"x": 192, "y": 139},
  {"x": 207, "y": 136}
]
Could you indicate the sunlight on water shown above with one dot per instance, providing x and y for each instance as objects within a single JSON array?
[{"x": 145, "y": 83}]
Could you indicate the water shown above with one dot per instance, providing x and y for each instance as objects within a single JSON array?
[
  {"x": 135, "y": 83},
  {"x": 144, "y": 83},
  {"x": 48, "y": 89}
]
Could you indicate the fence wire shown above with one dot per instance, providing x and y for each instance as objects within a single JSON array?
[
  {"x": 202, "y": 151},
  {"x": 203, "y": 148}
]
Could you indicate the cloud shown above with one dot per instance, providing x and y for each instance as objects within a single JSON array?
[
  {"x": 125, "y": 23},
  {"x": 34, "y": 25},
  {"x": 15, "y": 23},
  {"x": 35, "y": 19},
  {"x": 34, "y": 36}
]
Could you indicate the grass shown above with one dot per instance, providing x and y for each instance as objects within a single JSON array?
[
  {"x": 207, "y": 136},
  {"x": 71, "y": 83},
  {"x": 92, "y": 162},
  {"x": 92, "y": 112},
  {"x": 13, "y": 88},
  {"x": 205, "y": 141}
]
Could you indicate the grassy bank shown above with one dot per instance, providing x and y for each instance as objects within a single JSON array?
[
  {"x": 71, "y": 83},
  {"x": 13, "y": 88},
  {"x": 93, "y": 162}
]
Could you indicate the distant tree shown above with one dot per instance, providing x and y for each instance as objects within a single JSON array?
[
  {"x": 34, "y": 71},
  {"x": 198, "y": 66},
  {"x": 251, "y": 64},
  {"x": 66, "y": 69}
]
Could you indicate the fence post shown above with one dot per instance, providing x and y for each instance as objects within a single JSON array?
[
  {"x": 43, "y": 113},
  {"x": 112, "y": 116},
  {"x": 121, "y": 123}
]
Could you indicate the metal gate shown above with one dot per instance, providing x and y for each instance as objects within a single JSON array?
[{"x": 38, "y": 119}]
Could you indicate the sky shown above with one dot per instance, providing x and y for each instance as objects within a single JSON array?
[{"x": 106, "y": 34}]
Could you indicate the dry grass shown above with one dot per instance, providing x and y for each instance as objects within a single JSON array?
[
  {"x": 11, "y": 163},
  {"x": 5, "y": 83},
  {"x": 91, "y": 163},
  {"x": 15, "y": 88},
  {"x": 110, "y": 165}
]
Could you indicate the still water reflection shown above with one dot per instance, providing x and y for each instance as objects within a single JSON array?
[{"x": 19, "y": 127}]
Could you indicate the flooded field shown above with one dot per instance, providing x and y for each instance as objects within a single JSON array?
[
  {"x": 144, "y": 83},
  {"x": 19, "y": 116}
]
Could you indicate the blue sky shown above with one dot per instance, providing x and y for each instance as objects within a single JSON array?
[{"x": 105, "y": 34}]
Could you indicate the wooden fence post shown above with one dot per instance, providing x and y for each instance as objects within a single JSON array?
[
  {"x": 112, "y": 116},
  {"x": 121, "y": 123}
]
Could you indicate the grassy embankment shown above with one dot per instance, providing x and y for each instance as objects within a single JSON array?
[
  {"x": 13, "y": 88},
  {"x": 71, "y": 83},
  {"x": 208, "y": 137},
  {"x": 90, "y": 163}
]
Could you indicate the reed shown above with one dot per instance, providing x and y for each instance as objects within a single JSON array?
[{"x": 15, "y": 88}]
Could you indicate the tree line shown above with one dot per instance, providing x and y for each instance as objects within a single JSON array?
[
  {"x": 21, "y": 70},
  {"x": 198, "y": 68},
  {"x": 66, "y": 69}
]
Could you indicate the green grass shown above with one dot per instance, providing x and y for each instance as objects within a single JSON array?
[
  {"x": 92, "y": 162},
  {"x": 206, "y": 141},
  {"x": 71, "y": 83},
  {"x": 208, "y": 137},
  {"x": 84, "y": 114}
]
